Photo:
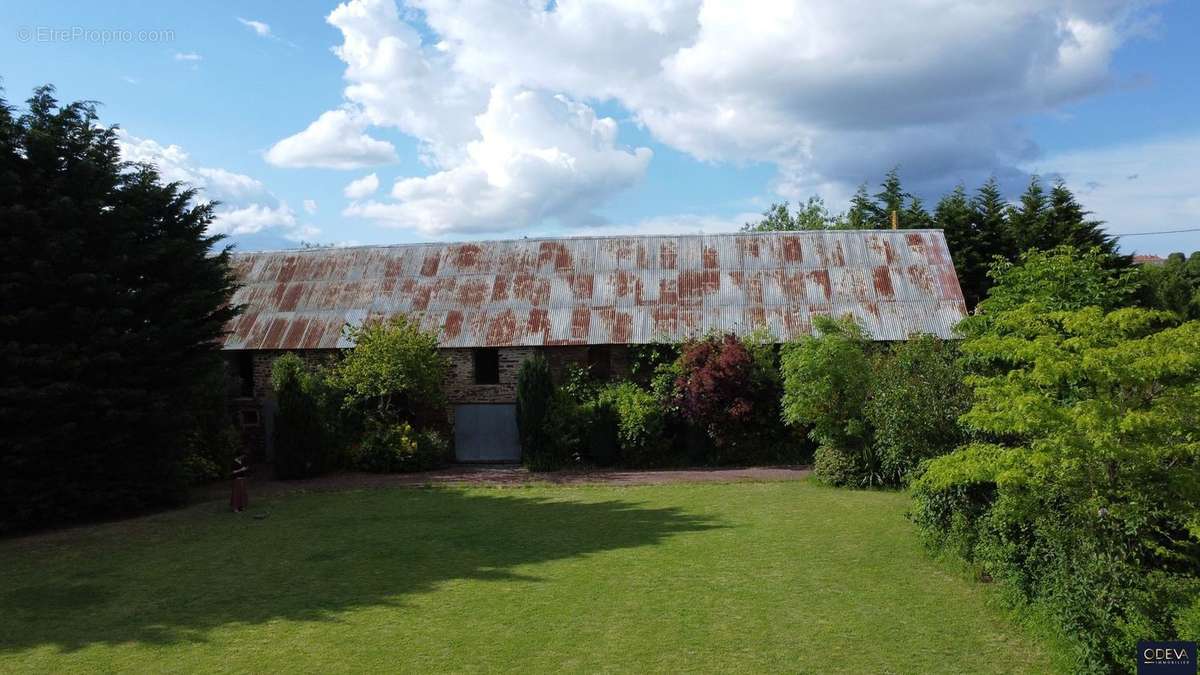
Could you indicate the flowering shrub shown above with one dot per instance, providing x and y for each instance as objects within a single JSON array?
[{"x": 388, "y": 448}]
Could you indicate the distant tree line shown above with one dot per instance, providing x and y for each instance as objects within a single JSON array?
[{"x": 979, "y": 228}]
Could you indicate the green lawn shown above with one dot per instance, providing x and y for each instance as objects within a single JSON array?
[{"x": 694, "y": 577}]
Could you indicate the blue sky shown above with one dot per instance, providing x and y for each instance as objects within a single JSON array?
[{"x": 487, "y": 120}]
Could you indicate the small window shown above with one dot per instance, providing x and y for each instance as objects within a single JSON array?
[
  {"x": 245, "y": 371},
  {"x": 487, "y": 366},
  {"x": 600, "y": 361}
]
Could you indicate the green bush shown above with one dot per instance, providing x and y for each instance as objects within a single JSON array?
[
  {"x": 433, "y": 449},
  {"x": 394, "y": 372},
  {"x": 398, "y": 448},
  {"x": 212, "y": 441},
  {"x": 1087, "y": 504},
  {"x": 1187, "y": 620},
  {"x": 827, "y": 380},
  {"x": 916, "y": 397},
  {"x": 301, "y": 441},
  {"x": 566, "y": 430},
  {"x": 639, "y": 421},
  {"x": 535, "y": 390},
  {"x": 835, "y": 466}
]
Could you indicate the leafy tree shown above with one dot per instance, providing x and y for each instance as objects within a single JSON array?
[
  {"x": 394, "y": 372},
  {"x": 812, "y": 215},
  {"x": 1064, "y": 278},
  {"x": 641, "y": 423},
  {"x": 916, "y": 396},
  {"x": 1173, "y": 285},
  {"x": 1082, "y": 494},
  {"x": 826, "y": 382},
  {"x": 1090, "y": 505},
  {"x": 113, "y": 300}
]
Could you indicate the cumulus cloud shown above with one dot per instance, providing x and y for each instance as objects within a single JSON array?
[
  {"x": 538, "y": 157},
  {"x": 336, "y": 140},
  {"x": 828, "y": 91},
  {"x": 361, "y": 188},
  {"x": 246, "y": 206},
  {"x": 310, "y": 206}
]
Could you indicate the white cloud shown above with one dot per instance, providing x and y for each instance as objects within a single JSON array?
[
  {"x": 1147, "y": 186},
  {"x": 260, "y": 29},
  {"x": 538, "y": 157},
  {"x": 253, "y": 218},
  {"x": 336, "y": 140},
  {"x": 361, "y": 188},
  {"x": 188, "y": 56},
  {"x": 829, "y": 91},
  {"x": 246, "y": 206},
  {"x": 310, "y": 206}
]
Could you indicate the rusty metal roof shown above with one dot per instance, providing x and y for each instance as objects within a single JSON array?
[{"x": 602, "y": 290}]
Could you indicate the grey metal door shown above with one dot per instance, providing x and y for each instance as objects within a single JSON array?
[{"x": 486, "y": 433}]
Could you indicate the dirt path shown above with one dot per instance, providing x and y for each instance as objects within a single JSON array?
[{"x": 502, "y": 475}]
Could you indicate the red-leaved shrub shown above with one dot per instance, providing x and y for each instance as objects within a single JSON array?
[{"x": 729, "y": 390}]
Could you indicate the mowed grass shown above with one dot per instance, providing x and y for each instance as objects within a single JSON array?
[{"x": 764, "y": 577}]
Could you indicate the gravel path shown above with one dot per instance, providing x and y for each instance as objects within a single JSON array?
[{"x": 503, "y": 475}]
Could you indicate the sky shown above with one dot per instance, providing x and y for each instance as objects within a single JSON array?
[{"x": 374, "y": 121}]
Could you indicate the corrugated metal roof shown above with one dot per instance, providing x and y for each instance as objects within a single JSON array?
[{"x": 602, "y": 290}]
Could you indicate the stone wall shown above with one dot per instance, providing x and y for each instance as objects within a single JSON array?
[{"x": 460, "y": 386}]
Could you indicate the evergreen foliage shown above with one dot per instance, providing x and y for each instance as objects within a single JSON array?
[
  {"x": 302, "y": 444},
  {"x": 113, "y": 300},
  {"x": 979, "y": 229},
  {"x": 535, "y": 393}
]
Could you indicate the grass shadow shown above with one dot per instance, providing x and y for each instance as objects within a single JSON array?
[{"x": 311, "y": 559}]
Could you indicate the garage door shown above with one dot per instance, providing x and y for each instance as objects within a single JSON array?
[{"x": 486, "y": 433}]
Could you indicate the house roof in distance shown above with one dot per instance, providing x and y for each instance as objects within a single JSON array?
[{"x": 602, "y": 290}]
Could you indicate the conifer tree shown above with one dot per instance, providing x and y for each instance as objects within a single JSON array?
[
  {"x": 113, "y": 301},
  {"x": 915, "y": 217},
  {"x": 863, "y": 213},
  {"x": 1067, "y": 222},
  {"x": 1028, "y": 223},
  {"x": 889, "y": 199},
  {"x": 954, "y": 216}
]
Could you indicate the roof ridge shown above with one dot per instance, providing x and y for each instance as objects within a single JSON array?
[{"x": 583, "y": 237}]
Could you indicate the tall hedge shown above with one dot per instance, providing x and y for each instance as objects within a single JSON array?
[
  {"x": 301, "y": 444},
  {"x": 535, "y": 392},
  {"x": 113, "y": 299}
]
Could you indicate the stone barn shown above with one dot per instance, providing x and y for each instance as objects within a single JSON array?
[{"x": 576, "y": 300}]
